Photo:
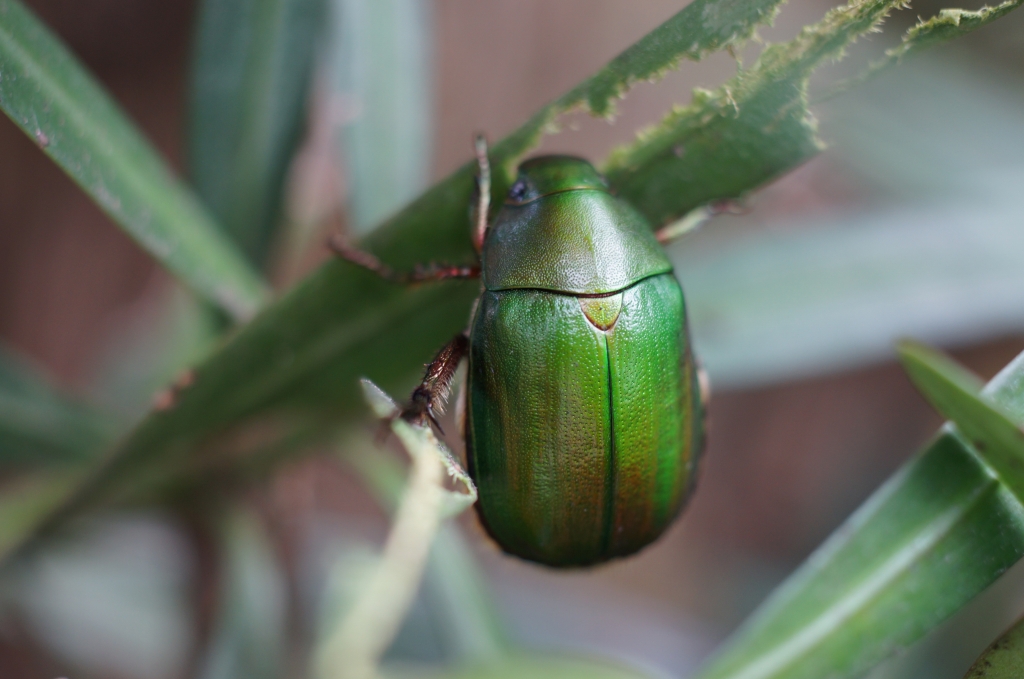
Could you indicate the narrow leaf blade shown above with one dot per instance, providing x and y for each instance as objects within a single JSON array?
[
  {"x": 935, "y": 535},
  {"x": 250, "y": 80},
  {"x": 51, "y": 97},
  {"x": 955, "y": 393},
  {"x": 381, "y": 64}
]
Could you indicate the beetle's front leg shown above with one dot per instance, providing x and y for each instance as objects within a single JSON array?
[{"x": 428, "y": 398}]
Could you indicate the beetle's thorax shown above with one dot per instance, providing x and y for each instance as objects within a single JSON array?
[{"x": 561, "y": 230}]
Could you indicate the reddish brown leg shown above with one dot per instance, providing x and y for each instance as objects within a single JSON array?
[
  {"x": 420, "y": 274},
  {"x": 428, "y": 399}
]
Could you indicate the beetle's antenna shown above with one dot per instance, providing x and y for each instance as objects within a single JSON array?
[{"x": 483, "y": 187}]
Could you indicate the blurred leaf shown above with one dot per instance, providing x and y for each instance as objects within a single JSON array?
[
  {"x": 27, "y": 496},
  {"x": 45, "y": 91},
  {"x": 250, "y": 637},
  {"x": 48, "y": 94},
  {"x": 904, "y": 134},
  {"x": 40, "y": 427},
  {"x": 955, "y": 393},
  {"x": 1004, "y": 659},
  {"x": 251, "y": 71},
  {"x": 790, "y": 298},
  {"x": 382, "y": 73},
  {"x": 354, "y": 643},
  {"x": 307, "y": 352},
  {"x": 930, "y": 539},
  {"x": 462, "y": 612},
  {"x": 150, "y": 349},
  {"x": 533, "y": 666}
]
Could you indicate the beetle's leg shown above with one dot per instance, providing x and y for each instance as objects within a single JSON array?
[
  {"x": 420, "y": 274},
  {"x": 483, "y": 191},
  {"x": 695, "y": 219},
  {"x": 428, "y": 399}
]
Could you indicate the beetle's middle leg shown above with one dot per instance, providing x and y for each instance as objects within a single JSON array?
[
  {"x": 420, "y": 274},
  {"x": 432, "y": 271},
  {"x": 429, "y": 397}
]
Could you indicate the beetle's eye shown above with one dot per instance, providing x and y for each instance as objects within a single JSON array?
[{"x": 518, "y": 191}]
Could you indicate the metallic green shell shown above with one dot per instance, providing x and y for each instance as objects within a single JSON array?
[
  {"x": 568, "y": 234},
  {"x": 583, "y": 441}
]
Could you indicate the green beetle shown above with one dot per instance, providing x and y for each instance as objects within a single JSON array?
[{"x": 584, "y": 417}]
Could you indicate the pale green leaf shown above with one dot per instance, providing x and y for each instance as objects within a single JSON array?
[
  {"x": 249, "y": 639},
  {"x": 355, "y": 644},
  {"x": 251, "y": 70},
  {"x": 382, "y": 71}
]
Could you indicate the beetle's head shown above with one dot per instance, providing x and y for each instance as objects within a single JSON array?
[{"x": 542, "y": 176}]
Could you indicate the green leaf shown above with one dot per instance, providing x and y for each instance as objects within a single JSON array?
[
  {"x": 249, "y": 639},
  {"x": 251, "y": 71},
  {"x": 40, "y": 427},
  {"x": 48, "y": 94},
  {"x": 935, "y": 535},
  {"x": 533, "y": 666},
  {"x": 1004, "y": 659},
  {"x": 382, "y": 70},
  {"x": 462, "y": 614},
  {"x": 799, "y": 297},
  {"x": 955, "y": 393}
]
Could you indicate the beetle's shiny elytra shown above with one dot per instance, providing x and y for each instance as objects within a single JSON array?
[{"x": 584, "y": 421}]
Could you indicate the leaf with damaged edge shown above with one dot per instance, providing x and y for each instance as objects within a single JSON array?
[
  {"x": 941, "y": 28},
  {"x": 736, "y": 138},
  {"x": 250, "y": 79},
  {"x": 59, "y": 105},
  {"x": 956, "y": 394}
]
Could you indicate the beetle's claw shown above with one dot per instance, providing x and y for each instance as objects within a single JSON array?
[{"x": 433, "y": 421}]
